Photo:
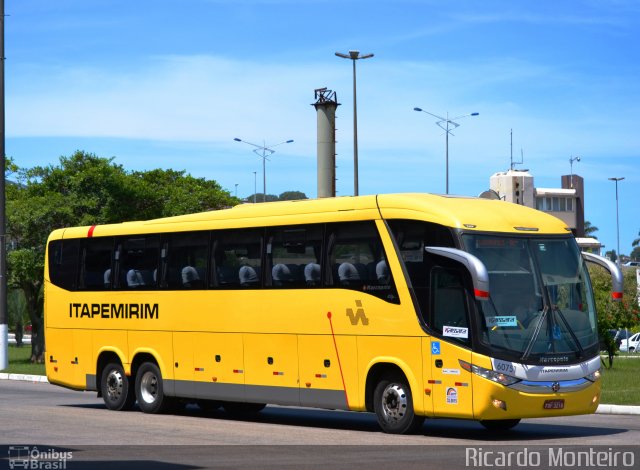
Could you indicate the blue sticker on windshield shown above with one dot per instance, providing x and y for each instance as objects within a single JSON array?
[
  {"x": 503, "y": 320},
  {"x": 435, "y": 348},
  {"x": 557, "y": 334}
]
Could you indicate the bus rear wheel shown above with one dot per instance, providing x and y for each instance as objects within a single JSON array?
[
  {"x": 499, "y": 424},
  {"x": 115, "y": 388},
  {"x": 393, "y": 404},
  {"x": 150, "y": 389}
]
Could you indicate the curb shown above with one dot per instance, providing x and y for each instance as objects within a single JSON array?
[
  {"x": 602, "y": 409},
  {"x": 24, "y": 377},
  {"x": 618, "y": 410}
]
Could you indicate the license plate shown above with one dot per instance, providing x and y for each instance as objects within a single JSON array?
[{"x": 553, "y": 405}]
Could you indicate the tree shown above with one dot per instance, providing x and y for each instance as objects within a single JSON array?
[
  {"x": 614, "y": 315},
  {"x": 84, "y": 190},
  {"x": 590, "y": 230},
  {"x": 636, "y": 242},
  {"x": 259, "y": 197},
  {"x": 612, "y": 255},
  {"x": 635, "y": 254},
  {"x": 292, "y": 196}
]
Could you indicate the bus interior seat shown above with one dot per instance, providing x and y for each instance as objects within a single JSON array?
[
  {"x": 248, "y": 276},
  {"x": 312, "y": 274}
]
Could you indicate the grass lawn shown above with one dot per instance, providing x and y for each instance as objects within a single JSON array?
[
  {"x": 620, "y": 385},
  {"x": 20, "y": 361}
]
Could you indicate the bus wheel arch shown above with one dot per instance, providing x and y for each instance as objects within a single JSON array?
[
  {"x": 115, "y": 388},
  {"x": 389, "y": 395}
]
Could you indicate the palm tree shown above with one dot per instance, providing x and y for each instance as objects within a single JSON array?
[
  {"x": 636, "y": 242},
  {"x": 589, "y": 229}
]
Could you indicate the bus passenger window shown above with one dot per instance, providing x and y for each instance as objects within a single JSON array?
[
  {"x": 237, "y": 256},
  {"x": 294, "y": 253},
  {"x": 186, "y": 261},
  {"x": 448, "y": 304},
  {"x": 358, "y": 261},
  {"x": 139, "y": 258},
  {"x": 63, "y": 263},
  {"x": 97, "y": 254}
]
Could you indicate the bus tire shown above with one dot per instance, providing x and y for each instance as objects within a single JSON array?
[
  {"x": 242, "y": 409},
  {"x": 393, "y": 404},
  {"x": 117, "y": 393},
  {"x": 499, "y": 424},
  {"x": 150, "y": 390}
]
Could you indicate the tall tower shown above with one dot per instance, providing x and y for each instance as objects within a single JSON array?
[
  {"x": 326, "y": 105},
  {"x": 514, "y": 186}
]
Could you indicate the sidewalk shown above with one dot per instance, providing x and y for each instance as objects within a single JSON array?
[{"x": 602, "y": 408}]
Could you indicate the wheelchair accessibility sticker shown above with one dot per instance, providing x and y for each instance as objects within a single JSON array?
[{"x": 435, "y": 348}]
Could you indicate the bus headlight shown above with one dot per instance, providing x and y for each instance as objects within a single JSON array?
[
  {"x": 488, "y": 374},
  {"x": 593, "y": 376}
]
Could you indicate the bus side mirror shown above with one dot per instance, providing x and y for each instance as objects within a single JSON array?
[
  {"x": 475, "y": 267},
  {"x": 617, "y": 285}
]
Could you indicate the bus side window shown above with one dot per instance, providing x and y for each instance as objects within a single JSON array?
[
  {"x": 138, "y": 262},
  {"x": 294, "y": 254},
  {"x": 237, "y": 259},
  {"x": 448, "y": 312},
  {"x": 356, "y": 260},
  {"x": 186, "y": 260},
  {"x": 96, "y": 264},
  {"x": 63, "y": 263}
]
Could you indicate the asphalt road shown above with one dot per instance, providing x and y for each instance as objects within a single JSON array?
[{"x": 58, "y": 420}]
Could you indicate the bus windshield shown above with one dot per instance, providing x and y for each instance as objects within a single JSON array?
[{"x": 540, "y": 308}]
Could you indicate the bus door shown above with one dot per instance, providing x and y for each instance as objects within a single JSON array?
[{"x": 450, "y": 384}]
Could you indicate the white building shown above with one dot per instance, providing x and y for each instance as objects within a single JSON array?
[{"x": 566, "y": 203}]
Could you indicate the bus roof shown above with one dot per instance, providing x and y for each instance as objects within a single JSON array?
[{"x": 452, "y": 211}]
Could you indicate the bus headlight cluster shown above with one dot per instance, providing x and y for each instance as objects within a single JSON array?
[
  {"x": 593, "y": 376},
  {"x": 488, "y": 374}
]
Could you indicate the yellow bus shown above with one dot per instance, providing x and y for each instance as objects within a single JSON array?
[{"x": 406, "y": 305}]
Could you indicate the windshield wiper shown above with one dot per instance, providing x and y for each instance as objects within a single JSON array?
[
  {"x": 569, "y": 329},
  {"x": 536, "y": 333}
]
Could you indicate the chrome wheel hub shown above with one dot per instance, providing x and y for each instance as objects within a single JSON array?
[
  {"x": 394, "y": 403},
  {"x": 149, "y": 387}
]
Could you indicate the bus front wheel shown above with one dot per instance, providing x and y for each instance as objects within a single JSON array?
[
  {"x": 393, "y": 404},
  {"x": 150, "y": 390},
  {"x": 115, "y": 388}
]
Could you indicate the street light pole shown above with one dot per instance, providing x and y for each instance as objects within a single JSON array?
[
  {"x": 354, "y": 55},
  {"x": 444, "y": 123},
  {"x": 255, "y": 186},
  {"x": 263, "y": 151},
  {"x": 617, "y": 219}
]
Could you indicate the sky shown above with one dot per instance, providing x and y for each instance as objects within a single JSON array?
[{"x": 170, "y": 84}]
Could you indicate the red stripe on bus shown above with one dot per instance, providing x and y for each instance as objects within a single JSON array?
[
  {"x": 90, "y": 232},
  {"x": 333, "y": 335}
]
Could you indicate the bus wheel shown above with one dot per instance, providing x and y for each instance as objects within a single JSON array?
[
  {"x": 238, "y": 408},
  {"x": 393, "y": 404},
  {"x": 499, "y": 424},
  {"x": 149, "y": 389},
  {"x": 115, "y": 389}
]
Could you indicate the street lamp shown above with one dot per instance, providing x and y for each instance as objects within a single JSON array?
[
  {"x": 444, "y": 124},
  {"x": 571, "y": 160},
  {"x": 617, "y": 218},
  {"x": 263, "y": 151},
  {"x": 236, "y": 195},
  {"x": 354, "y": 55},
  {"x": 255, "y": 186}
]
